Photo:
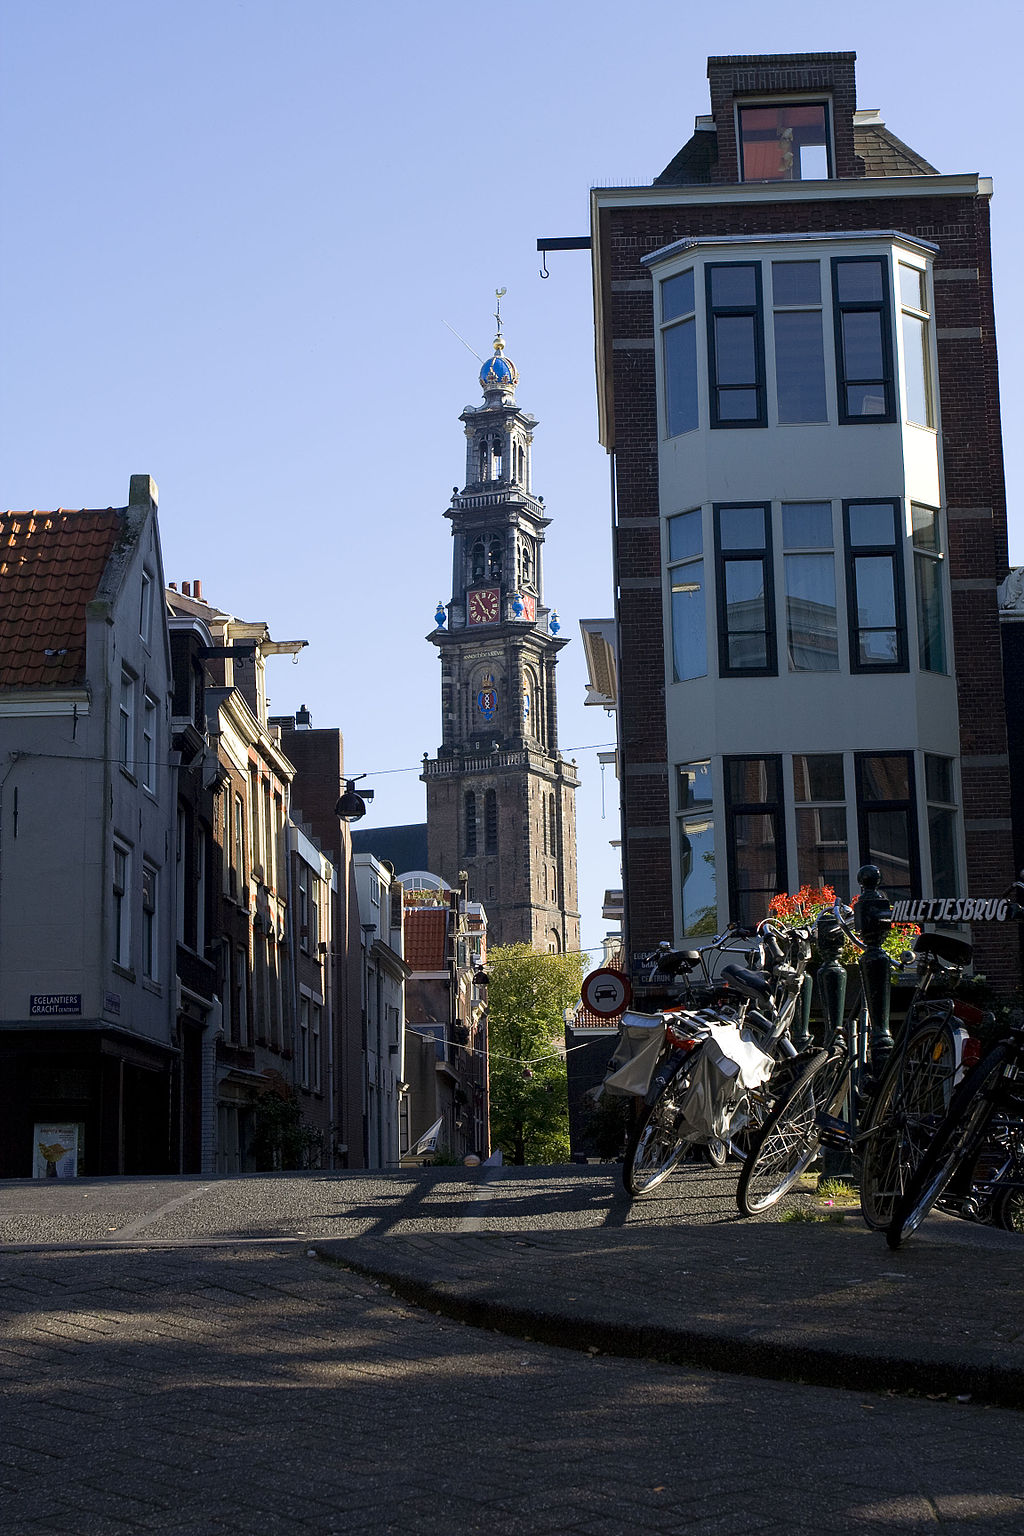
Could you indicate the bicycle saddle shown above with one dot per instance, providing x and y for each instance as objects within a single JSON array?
[
  {"x": 944, "y": 946},
  {"x": 751, "y": 983}
]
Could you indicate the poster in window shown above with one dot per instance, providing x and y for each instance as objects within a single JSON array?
[{"x": 56, "y": 1150}]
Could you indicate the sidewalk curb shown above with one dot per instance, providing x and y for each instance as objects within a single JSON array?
[{"x": 751, "y": 1353}]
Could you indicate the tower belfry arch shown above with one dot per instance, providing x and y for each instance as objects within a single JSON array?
[{"x": 500, "y": 797}]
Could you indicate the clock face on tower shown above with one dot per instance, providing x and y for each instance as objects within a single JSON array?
[{"x": 483, "y": 605}]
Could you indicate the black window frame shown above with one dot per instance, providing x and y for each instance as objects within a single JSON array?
[
  {"x": 490, "y": 821},
  {"x": 470, "y": 823},
  {"x": 882, "y": 306},
  {"x": 894, "y": 551},
  {"x": 908, "y": 805},
  {"x": 741, "y": 142},
  {"x": 775, "y": 809},
  {"x": 757, "y": 312},
  {"x": 766, "y": 558}
]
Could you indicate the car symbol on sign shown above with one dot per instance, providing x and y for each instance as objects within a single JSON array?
[{"x": 606, "y": 994}]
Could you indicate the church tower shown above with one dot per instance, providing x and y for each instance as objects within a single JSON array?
[{"x": 500, "y": 798}]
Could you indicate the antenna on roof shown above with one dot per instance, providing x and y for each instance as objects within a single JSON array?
[{"x": 465, "y": 343}]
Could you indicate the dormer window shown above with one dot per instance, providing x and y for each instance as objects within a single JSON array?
[{"x": 784, "y": 143}]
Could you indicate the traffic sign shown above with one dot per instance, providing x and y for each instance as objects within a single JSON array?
[{"x": 606, "y": 992}]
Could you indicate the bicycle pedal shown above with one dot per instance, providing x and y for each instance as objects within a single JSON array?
[{"x": 833, "y": 1132}]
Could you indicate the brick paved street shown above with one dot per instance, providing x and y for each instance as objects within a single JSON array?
[{"x": 228, "y": 1386}]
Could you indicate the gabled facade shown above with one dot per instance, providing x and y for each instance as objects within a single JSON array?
[
  {"x": 446, "y": 1060},
  {"x": 90, "y": 1057},
  {"x": 795, "y": 329},
  {"x": 384, "y": 973}
]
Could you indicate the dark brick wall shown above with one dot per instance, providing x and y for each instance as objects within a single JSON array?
[{"x": 976, "y": 501}]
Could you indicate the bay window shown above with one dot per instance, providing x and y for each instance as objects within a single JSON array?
[
  {"x": 754, "y": 835},
  {"x": 812, "y": 637},
  {"x": 887, "y": 819},
  {"x": 746, "y": 615},
  {"x": 679, "y": 353},
  {"x": 799, "y": 344},
  {"x": 860, "y": 287},
  {"x": 686, "y": 581},
  {"x": 874, "y": 584},
  {"x": 735, "y": 344},
  {"x": 696, "y": 834},
  {"x": 928, "y": 563},
  {"x": 915, "y": 329}
]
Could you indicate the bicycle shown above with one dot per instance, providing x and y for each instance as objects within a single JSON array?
[
  {"x": 887, "y": 1122},
  {"x": 661, "y": 1134},
  {"x": 990, "y": 1094}
]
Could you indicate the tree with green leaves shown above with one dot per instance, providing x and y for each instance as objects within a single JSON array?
[{"x": 527, "y": 996}]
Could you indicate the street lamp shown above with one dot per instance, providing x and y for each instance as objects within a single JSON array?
[{"x": 352, "y": 805}]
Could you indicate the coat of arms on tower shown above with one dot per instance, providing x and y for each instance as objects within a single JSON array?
[{"x": 487, "y": 698}]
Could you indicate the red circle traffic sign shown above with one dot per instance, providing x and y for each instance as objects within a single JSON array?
[{"x": 606, "y": 992}]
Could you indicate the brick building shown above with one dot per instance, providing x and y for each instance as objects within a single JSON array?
[
  {"x": 500, "y": 797},
  {"x": 797, "y": 379}
]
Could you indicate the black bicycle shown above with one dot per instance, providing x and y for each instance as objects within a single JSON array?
[
  {"x": 836, "y": 1102},
  {"x": 990, "y": 1098}
]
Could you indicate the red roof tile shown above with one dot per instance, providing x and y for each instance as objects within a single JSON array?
[
  {"x": 426, "y": 930},
  {"x": 51, "y": 565}
]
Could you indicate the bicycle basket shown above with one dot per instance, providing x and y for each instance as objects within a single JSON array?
[{"x": 641, "y": 1037}]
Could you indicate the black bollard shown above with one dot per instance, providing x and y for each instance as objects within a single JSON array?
[
  {"x": 872, "y": 920},
  {"x": 831, "y": 987}
]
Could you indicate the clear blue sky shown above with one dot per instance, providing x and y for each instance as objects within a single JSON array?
[{"x": 232, "y": 234}]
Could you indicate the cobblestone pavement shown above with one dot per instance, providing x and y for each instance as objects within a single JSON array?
[
  {"x": 176, "y": 1358},
  {"x": 255, "y": 1389}
]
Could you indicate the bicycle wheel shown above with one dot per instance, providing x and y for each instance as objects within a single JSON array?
[
  {"x": 912, "y": 1098},
  {"x": 716, "y": 1153},
  {"x": 654, "y": 1145},
  {"x": 958, "y": 1137},
  {"x": 787, "y": 1143},
  {"x": 1008, "y": 1209}
]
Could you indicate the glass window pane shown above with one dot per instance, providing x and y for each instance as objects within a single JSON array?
[
  {"x": 694, "y": 785},
  {"x": 942, "y": 845},
  {"x": 697, "y": 867},
  {"x": 677, "y": 295},
  {"x": 885, "y": 776},
  {"x": 888, "y": 834},
  {"x": 807, "y": 524},
  {"x": 811, "y": 628},
  {"x": 741, "y": 527},
  {"x": 872, "y": 522},
  {"x": 783, "y": 143},
  {"x": 859, "y": 282},
  {"x": 735, "y": 352},
  {"x": 938, "y": 778},
  {"x": 912, "y": 287},
  {"x": 924, "y": 522},
  {"x": 689, "y": 627},
  {"x": 818, "y": 776},
  {"x": 823, "y": 856},
  {"x": 733, "y": 285},
  {"x": 915, "y": 367},
  {"x": 796, "y": 282},
  {"x": 753, "y": 780},
  {"x": 930, "y": 629},
  {"x": 866, "y": 400},
  {"x": 681, "y": 410},
  {"x": 738, "y": 405},
  {"x": 800, "y": 365},
  {"x": 756, "y": 864},
  {"x": 684, "y": 535},
  {"x": 876, "y": 591},
  {"x": 863, "y": 356}
]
